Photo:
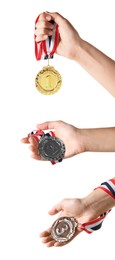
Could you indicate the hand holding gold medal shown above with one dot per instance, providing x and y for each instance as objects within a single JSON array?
[{"x": 48, "y": 81}]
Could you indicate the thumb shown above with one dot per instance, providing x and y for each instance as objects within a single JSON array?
[
  {"x": 47, "y": 125},
  {"x": 56, "y": 17},
  {"x": 56, "y": 209}
]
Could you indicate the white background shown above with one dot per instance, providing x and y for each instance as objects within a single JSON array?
[{"x": 28, "y": 188}]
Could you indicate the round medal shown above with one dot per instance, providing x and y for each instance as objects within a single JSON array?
[
  {"x": 51, "y": 148},
  {"x": 48, "y": 81},
  {"x": 63, "y": 229}
]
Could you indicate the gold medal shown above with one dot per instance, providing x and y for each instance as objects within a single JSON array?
[{"x": 48, "y": 81}]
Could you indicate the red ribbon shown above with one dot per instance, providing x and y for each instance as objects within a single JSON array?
[{"x": 47, "y": 47}]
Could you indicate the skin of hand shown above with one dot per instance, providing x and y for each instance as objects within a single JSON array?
[
  {"x": 76, "y": 140},
  {"x": 66, "y": 31},
  {"x": 69, "y": 134},
  {"x": 72, "y": 46},
  {"x": 84, "y": 210}
]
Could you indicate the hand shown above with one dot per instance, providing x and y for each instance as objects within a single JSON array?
[
  {"x": 73, "y": 47},
  {"x": 70, "y": 135},
  {"x": 69, "y": 208},
  {"x": 69, "y": 38},
  {"x": 87, "y": 209}
]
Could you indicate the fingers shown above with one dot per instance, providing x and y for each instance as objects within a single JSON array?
[
  {"x": 45, "y": 233},
  {"x": 37, "y": 157},
  {"x": 25, "y": 140},
  {"x": 48, "y": 125},
  {"x": 56, "y": 209},
  {"x": 43, "y": 30},
  {"x": 45, "y": 16},
  {"x": 43, "y": 27},
  {"x": 44, "y": 24},
  {"x": 33, "y": 147},
  {"x": 30, "y": 140},
  {"x": 33, "y": 142},
  {"x": 48, "y": 240},
  {"x": 48, "y": 16},
  {"x": 55, "y": 16},
  {"x": 42, "y": 34}
]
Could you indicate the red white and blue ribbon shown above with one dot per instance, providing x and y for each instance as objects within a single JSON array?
[
  {"x": 46, "y": 49},
  {"x": 36, "y": 133},
  {"x": 109, "y": 188},
  {"x": 95, "y": 224}
]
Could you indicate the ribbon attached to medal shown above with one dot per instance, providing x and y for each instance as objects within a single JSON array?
[
  {"x": 64, "y": 228},
  {"x": 48, "y": 81}
]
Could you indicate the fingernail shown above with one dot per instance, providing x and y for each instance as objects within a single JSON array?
[{"x": 48, "y": 18}]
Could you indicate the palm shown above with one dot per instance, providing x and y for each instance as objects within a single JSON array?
[
  {"x": 68, "y": 208},
  {"x": 69, "y": 134}
]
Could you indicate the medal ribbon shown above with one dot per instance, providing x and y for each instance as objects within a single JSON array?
[
  {"x": 109, "y": 188},
  {"x": 95, "y": 224},
  {"x": 46, "y": 49}
]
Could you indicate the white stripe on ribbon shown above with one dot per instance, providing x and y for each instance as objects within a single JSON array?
[{"x": 50, "y": 43}]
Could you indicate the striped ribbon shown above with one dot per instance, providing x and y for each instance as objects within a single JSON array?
[
  {"x": 95, "y": 224},
  {"x": 109, "y": 188},
  {"x": 46, "y": 49}
]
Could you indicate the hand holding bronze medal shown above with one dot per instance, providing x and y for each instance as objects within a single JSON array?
[
  {"x": 48, "y": 81},
  {"x": 64, "y": 229}
]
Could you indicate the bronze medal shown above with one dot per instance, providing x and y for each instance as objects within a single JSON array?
[{"x": 63, "y": 229}]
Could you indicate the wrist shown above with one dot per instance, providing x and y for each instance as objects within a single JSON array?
[
  {"x": 79, "y": 141},
  {"x": 98, "y": 139},
  {"x": 84, "y": 137},
  {"x": 79, "y": 50},
  {"x": 87, "y": 137},
  {"x": 98, "y": 202}
]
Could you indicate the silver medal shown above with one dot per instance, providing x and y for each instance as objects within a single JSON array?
[
  {"x": 51, "y": 148},
  {"x": 63, "y": 229}
]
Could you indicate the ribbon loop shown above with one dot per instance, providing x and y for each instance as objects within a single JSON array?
[{"x": 46, "y": 49}]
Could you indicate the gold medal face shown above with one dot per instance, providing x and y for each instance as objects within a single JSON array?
[{"x": 48, "y": 81}]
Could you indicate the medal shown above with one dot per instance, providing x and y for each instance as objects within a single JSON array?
[
  {"x": 51, "y": 148},
  {"x": 48, "y": 81},
  {"x": 63, "y": 229}
]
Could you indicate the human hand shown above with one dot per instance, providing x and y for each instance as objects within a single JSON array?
[
  {"x": 69, "y": 39},
  {"x": 89, "y": 211},
  {"x": 67, "y": 208},
  {"x": 70, "y": 135}
]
